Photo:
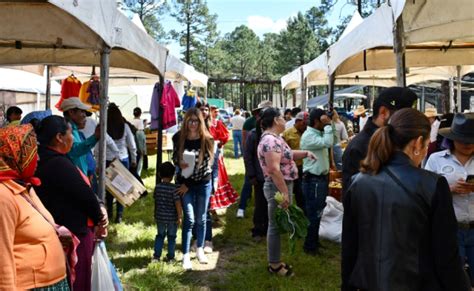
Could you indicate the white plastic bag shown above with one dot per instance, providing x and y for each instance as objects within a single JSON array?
[
  {"x": 101, "y": 275},
  {"x": 190, "y": 159},
  {"x": 331, "y": 221}
]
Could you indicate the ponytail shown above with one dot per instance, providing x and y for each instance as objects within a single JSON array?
[
  {"x": 380, "y": 151},
  {"x": 404, "y": 126}
]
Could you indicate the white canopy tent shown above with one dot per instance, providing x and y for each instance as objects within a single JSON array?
[{"x": 86, "y": 32}]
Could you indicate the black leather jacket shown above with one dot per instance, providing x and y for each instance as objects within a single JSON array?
[{"x": 400, "y": 235}]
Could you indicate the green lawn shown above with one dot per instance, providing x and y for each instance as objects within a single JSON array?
[{"x": 238, "y": 263}]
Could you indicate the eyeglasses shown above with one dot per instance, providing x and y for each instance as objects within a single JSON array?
[{"x": 193, "y": 122}]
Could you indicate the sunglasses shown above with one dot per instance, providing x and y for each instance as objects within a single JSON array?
[{"x": 193, "y": 121}]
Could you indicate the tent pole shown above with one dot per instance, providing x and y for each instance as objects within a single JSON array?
[
  {"x": 48, "y": 87},
  {"x": 331, "y": 79},
  {"x": 458, "y": 89},
  {"x": 399, "y": 49},
  {"x": 159, "y": 140},
  {"x": 104, "y": 89},
  {"x": 451, "y": 95},
  {"x": 304, "y": 95},
  {"x": 422, "y": 102}
]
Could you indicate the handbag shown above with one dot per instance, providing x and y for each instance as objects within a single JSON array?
[{"x": 68, "y": 241}]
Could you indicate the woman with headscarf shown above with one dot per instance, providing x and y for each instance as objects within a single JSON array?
[
  {"x": 31, "y": 256},
  {"x": 67, "y": 194}
]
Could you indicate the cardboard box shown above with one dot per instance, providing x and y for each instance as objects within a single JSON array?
[{"x": 122, "y": 184}]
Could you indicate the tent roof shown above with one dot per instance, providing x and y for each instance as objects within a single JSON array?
[
  {"x": 21, "y": 81},
  {"x": 340, "y": 94},
  {"x": 437, "y": 33},
  {"x": 291, "y": 80},
  {"x": 68, "y": 33}
]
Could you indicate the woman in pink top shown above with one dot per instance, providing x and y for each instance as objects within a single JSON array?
[{"x": 277, "y": 161}]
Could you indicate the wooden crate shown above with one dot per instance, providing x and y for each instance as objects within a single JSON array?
[
  {"x": 151, "y": 142},
  {"x": 122, "y": 184}
]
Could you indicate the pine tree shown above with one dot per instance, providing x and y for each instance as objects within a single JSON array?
[{"x": 149, "y": 12}]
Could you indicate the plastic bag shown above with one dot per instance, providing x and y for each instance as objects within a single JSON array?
[
  {"x": 331, "y": 221},
  {"x": 101, "y": 275},
  {"x": 115, "y": 278}
]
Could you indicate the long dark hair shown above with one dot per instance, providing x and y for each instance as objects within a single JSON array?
[
  {"x": 265, "y": 120},
  {"x": 115, "y": 122},
  {"x": 49, "y": 127},
  {"x": 404, "y": 126}
]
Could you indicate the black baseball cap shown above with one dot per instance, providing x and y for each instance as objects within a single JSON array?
[{"x": 395, "y": 98}]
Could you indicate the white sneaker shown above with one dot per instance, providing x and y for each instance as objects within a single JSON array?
[
  {"x": 208, "y": 247},
  {"x": 187, "y": 265},
  {"x": 240, "y": 213},
  {"x": 194, "y": 246},
  {"x": 202, "y": 258}
]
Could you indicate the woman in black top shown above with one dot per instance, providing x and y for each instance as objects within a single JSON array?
[
  {"x": 399, "y": 228},
  {"x": 65, "y": 192},
  {"x": 194, "y": 139}
]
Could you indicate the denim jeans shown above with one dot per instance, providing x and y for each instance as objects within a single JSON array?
[
  {"x": 466, "y": 249},
  {"x": 168, "y": 230},
  {"x": 298, "y": 190},
  {"x": 315, "y": 190},
  {"x": 273, "y": 235},
  {"x": 110, "y": 199},
  {"x": 237, "y": 136},
  {"x": 337, "y": 150},
  {"x": 195, "y": 206},
  {"x": 246, "y": 193}
]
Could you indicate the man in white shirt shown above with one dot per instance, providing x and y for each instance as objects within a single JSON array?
[{"x": 237, "y": 122}]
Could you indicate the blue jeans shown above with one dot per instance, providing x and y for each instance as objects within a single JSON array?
[
  {"x": 237, "y": 136},
  {"x": 315, "y": 190},
  {"x": 466, "y": 249},
  {"x": 168, "y": 230},
  {"x": 338, "y": 156},
  {"x": 110, "y": 199},
  {"x": 246, "y": 193},
  {"x": 273, "y": 234},
  {"x": 195, "y": 206}
]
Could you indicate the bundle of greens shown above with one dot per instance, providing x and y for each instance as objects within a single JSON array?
[{"x": 291, "y": 221}]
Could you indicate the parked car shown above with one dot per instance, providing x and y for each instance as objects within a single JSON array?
[{"x": 225, "y": 116}]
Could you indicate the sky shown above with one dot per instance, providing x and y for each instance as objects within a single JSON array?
[{"x": 261, "y": 16}]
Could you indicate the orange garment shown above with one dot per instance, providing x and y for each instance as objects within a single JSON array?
[
  {"x": 31, "y": 255},
  {"x": 69, "y": 88},
  {"x": 84, "y": 96}
]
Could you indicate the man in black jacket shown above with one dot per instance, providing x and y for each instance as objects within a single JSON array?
[{"x": 389, "y": 101}]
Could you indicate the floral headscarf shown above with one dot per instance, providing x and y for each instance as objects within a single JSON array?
[{"x": 18, "y": 154}]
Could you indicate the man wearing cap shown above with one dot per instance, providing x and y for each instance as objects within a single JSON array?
[
  {"x": 389, "y": 101},
  {"x": 249, "y": 124},
  {"x": 292, "y": 136},
  {"x": 433, "y": 115},
  {"x": 456, "y": 164},
  {"x": 362, "y": 118},
  {"x": 75, "y": 113},
  {"x": 318, "y": 139}
]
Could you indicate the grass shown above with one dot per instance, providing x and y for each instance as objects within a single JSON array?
[{"x": 238, "y": 263}]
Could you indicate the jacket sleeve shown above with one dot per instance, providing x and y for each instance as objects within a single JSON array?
[
  {"x": 313, "y": 142},
  {"x": 349, "y": 242},
  {"x": 8, "y": 220},
  {"x": 249, "y": 156},
  {"x": 222, "y": 133},
  {"x": 83, "y": 147},
  {"x": 444, "y": 240},
  {"x": 350, "y": 165},
  {"x": 81, "y": 193}
]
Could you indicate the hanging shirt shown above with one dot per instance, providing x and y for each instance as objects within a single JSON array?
[
  {"x": 189, "y": 101},
  {"x": 169, "y": 103},
  {"x": 70, "y": 87}
]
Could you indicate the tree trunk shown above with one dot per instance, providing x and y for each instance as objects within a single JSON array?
[{"x": 188, "y": 37}]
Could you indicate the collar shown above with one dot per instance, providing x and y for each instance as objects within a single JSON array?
[
  {"x": 314, "y": 129},
  {"x": 73, "y": 125},
  {"x": 14, "y": 187}
]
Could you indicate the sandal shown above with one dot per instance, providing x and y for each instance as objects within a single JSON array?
[{"x": 283, "y": 270}]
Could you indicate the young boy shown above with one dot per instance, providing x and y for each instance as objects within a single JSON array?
[{"x": 168, "y": 211}]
